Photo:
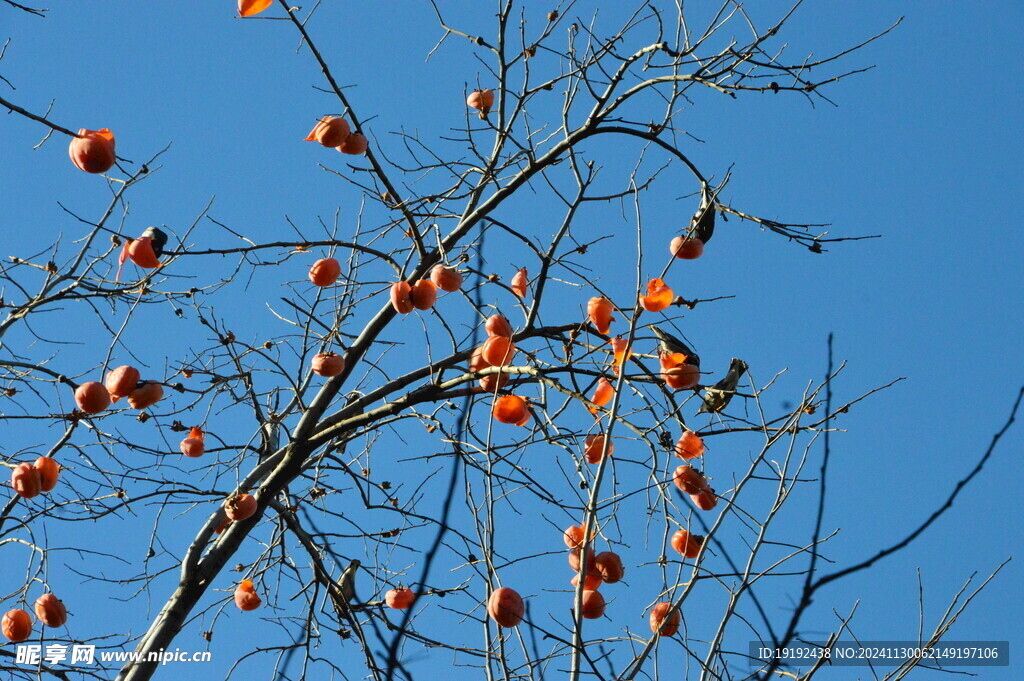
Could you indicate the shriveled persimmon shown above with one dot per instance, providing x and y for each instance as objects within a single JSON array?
[
  {"x": 249, "y": 8},
  {"x": 659, "y": 296},
  {"x": 621, "y": 352},
  {"x": 16, "y": 625},
  {"x": 600, "y": 312},
  {"x": 519, "y": 282},
  {"x": 603, "y": 393}
]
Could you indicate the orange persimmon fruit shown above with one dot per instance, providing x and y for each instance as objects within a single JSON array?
[
  {"x": 355, "y": 144},
  {"x": 399, "y": 599},
  {"x": 120, "y": 382},
  {"x": 519, "y": 282},
  {"x": 662, "y": 623},
  {"x": 600, "y": 312},
  {"x": 240, "y": 506},
  {"x": 26, "y": 481},
  {"x": 329, "y": 132},
  {"x": 505, "y": 606},
  {"x": 16, "y": 625},
  {"x": 50, "y": 610},
  {"x": 687, "y": 248},
  {"x": 481, "y": 100},
  {"x": 92, "y": 397},
  {"x": 245, "y": 596},
  {"x": 93, "y": 150},
  {"x": 48, "y": 472},
  {"x": 689, "y": 445},
  {"x": 687, "y": 544},
  {"x": 328, "y": 364},
  {"x": 511, "y": 409},
  {"x": 193, "y": 445},
  {"x": 325, "y": 272},
  {"x": 446, "y": 278},
  {"x": 659, "y": 296}
]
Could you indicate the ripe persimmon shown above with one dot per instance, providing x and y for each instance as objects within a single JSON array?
[
  {"x": 120, "y": 382},
  {"x": 592, "y": 605},
  {"x": 92, "y": 397},
  {"x": 329, "y": 132},
  {"x": 590, "y": 582},
  {"x": 689, "y": 480},
  {"x": 399, "y": 599},
  {"x": 401, "y": 297},
  {"x": 687, "y": 248},
  {"x": 328, "y": 364},
  {"x": 505, "y": 606},
  {"x": 424, "y": 294},
  {"x": 245, "y": 596},
  {"x": 705, "y": 500},
  {"x": 662, "y": 623},
  {"x": 609, "y": 565},
  {"x": 93, "y": 150},
  {"x": 324, "y": 272},
  {"x": 511, "y": 409},
  {"x": 50, "y": 610},
  {"x": 248, "y": 8},
  {"x": 593, "y": 448},
  {"x": 498, "y": 351},
  {"x": 16, "y": 625},
  {"x": 497, "y": 325},
  {"x": 240, "y": 506},
  {"x": 519, "y": 282},
  {"x": 193, "y": 445},
  {"x": 48, "y": 472},
  {"x": 146, "y": 395},
  {"x": 446, "y": 278},
  {"x": 689, "y": 445},
  {"x": 687, "y": 544},
  {"x": 26, "y": 481},
  {"x": 355, "y": 144},
  {"x": 481, "y": 100},
  {"x": 603, "y": 393},
  {"x": 600, "y": 312}
]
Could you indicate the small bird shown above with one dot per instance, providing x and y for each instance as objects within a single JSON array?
[
  {"x": 347, "y": 582},
  {"x": 717, "y": 397},
  {"x": 157, "y": 239},
  {"x": 670, "y": 344},
  {"x": 703, "y": 223}
]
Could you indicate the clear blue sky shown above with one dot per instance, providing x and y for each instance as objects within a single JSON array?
[{"x": 924, "y": 149}]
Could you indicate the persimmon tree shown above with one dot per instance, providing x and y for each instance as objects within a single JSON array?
[{"x": 387, "y": 457}]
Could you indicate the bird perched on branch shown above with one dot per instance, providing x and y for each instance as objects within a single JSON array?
[
  {"x": 670, "y": 344},
  {"x": 157, "y": 239},
  {"x": 347, "y": 582},
  {"x": 703, "y": 223},
  {"x": 717, "y": 397}
]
